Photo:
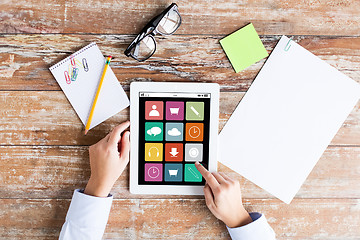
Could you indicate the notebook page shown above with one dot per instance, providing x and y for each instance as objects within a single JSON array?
[
  {"x": 286, "y": 120},
  {"x": 80, "y": 91}
]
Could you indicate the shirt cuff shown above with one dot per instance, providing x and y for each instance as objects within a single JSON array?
[
  {"x": 259, "y": 228},
  {"x": 89, "y": 211}
]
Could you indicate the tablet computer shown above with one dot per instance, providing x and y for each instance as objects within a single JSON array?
[{"x": 173, "y": 125}]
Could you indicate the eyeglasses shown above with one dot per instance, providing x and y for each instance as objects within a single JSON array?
[{"x": 144, "y": 45}]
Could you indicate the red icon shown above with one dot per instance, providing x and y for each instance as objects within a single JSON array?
[
  {"x": 154, "y": 110},
  {"x": 173, "y": 152}
]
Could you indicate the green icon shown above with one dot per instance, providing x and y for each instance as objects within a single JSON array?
[
  {"x": 192, "y": 174},
  {"x": 154, "y": 131},
  {"x": 195, "y": 111}
]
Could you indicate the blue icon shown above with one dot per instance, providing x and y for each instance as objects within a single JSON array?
[
  {"x": 173, "y": 172},
  {"x": 174, "y": 131}
]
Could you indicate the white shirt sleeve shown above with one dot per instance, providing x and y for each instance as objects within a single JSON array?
[
  {"x": 259, "y": 229},
  {"x": 86, "y": 218}
]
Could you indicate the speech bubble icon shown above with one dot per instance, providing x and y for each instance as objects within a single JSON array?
[{"x": 154, "y": 131}]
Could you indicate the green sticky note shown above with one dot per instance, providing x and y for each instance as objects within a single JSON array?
[{"x": 243, "y": 47}]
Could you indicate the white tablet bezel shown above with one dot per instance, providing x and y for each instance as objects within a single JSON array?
[{"x": 135, "y": 89}]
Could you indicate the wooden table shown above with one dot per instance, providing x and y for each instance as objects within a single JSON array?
[{"x": 44, "y": 155}]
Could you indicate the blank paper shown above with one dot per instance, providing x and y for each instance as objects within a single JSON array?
[{"x": 286, "y": 120}]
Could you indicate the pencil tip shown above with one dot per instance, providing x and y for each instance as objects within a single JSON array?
[{"x": 86, "y": 131}]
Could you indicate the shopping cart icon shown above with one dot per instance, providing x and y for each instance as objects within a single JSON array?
[
  {"x": 173, "y": 172},
  {"x": 174, "y": 111}
]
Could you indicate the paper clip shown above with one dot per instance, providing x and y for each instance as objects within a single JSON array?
[
  {"x": 288, "y": 45},
  {"x": 74, "y": 74},
  {"x": 72, "y": 61},
  {"x": 67, "y": 77},
  {"x": 85, "y": 65}
]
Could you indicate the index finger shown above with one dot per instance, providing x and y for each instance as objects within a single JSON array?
[{"x": 210, "y": 179}]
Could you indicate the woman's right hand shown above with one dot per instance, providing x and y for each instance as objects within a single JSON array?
[{"x": 223, "y": 198}]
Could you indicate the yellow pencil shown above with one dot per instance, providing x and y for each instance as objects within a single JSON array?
[{"x": 87, "y": 127}]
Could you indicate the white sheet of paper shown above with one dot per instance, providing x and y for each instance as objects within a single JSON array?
[
  {"x": 286, "y": 120},
  {"x": 81, "y": 92}
]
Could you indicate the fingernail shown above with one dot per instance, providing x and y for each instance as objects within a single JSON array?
[{"x": 197, "y": 163}]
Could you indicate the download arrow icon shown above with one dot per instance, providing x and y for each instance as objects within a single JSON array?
[{"x": 174, "y": 152}]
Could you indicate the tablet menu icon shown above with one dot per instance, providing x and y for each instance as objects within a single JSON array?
[
  {"x": 174, "y": 110},
  {"x": 154, "y": 110},
  {"x": 173, "y": 152},
  {"x": 192, "y": 174},
  {"x": 174, "y": 131},
  {"x": 153, "y": 172},
  {"x": 194, "y": 132},
  {"x": 174, "y": 140},
  {"x": 195, "y": 111},
  {"x": 154, "y": 131},
  {"x": 193, "y": 152},
  {"x": 153, "y": 152},
  {"x": 173, "y": 172}
]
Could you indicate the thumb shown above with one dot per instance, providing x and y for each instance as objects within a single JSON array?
[
  {"x": 125, "y": 147},
  {"x": 115, "y": 135}
]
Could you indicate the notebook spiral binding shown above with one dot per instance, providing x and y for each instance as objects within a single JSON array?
[{"x": 73, "y": 55}]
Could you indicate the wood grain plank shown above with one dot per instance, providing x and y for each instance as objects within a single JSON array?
[
  {"x": 47, "y": 118},
  {"x": 323, "y": 219},
  {"x": 199, "y": 17},
  {"x": 37, "y": 178},
  {"x": 55, "y": 171},
  {"x": 25, "y": 59}
]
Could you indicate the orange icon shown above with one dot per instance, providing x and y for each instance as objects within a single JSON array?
[{"x": 194, "y": 132}]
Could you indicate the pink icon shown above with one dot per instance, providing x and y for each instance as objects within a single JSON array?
[
  {"x": 174, "y": 110},
  {"x": 153, "y": 172}
]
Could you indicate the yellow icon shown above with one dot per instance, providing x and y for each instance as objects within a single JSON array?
[{"x": 153, "y": 152}]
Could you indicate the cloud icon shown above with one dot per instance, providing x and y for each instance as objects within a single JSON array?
[
  {"x": 174, "y": 132},
  {"x": 154, "y": 131}
]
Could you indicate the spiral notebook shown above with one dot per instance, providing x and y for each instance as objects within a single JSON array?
[
  {"x": 78, "y": 76},
  {"x": 286, "y": 120}
]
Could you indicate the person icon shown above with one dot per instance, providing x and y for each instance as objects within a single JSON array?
[{"x": 154, "y": 112}]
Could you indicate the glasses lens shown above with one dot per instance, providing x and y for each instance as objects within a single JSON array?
[
  {"x": 144, "y": 49},
  {"x": 169, "y": 23}
]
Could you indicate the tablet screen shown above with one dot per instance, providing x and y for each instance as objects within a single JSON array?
[{"x": 173, "y": 135}]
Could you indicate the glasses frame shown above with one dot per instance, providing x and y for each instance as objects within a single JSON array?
[{"x": 150, "y": 30}]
